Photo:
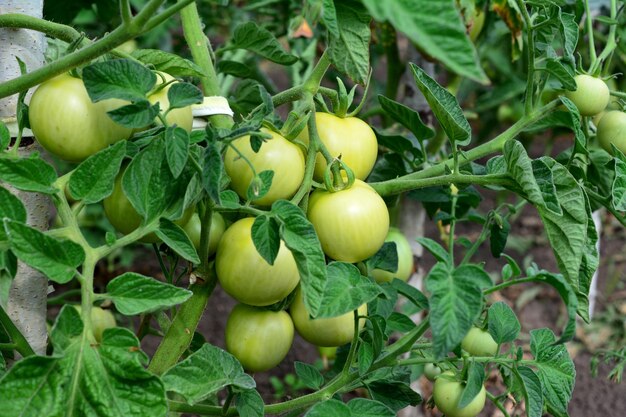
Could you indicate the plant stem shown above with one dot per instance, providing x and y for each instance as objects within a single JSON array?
[
  {"x": 593, "y": 58},
  {"x": 495, "y": 400},
  {"x": 54, "y": 30},
  {"x": 18, "y": 339},
  {"x": 508, "y": 284},
  {"x": 400, "y": 185},
  {"x": 530, "y": 52}
]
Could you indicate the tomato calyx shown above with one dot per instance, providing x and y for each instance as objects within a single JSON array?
[{"x": 334, "y": 180}]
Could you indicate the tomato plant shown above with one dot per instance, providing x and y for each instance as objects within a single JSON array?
[
  {"x": 612, "y": 130},
  {"x": 405, "y": 258},
  {"x": 259, "y": 339},
  {"x": 101, "y": 320},
  {"x": 67, "y": 124},
  {"x": 245, "y": 275},
  {"x": 352, "y": 224},
  {"x": 591, "y": 95},
  {"x": 181, "y": 117},
  {"x": 431, "y": 371},
  {"x": 479, "y": 342},
  {"x": 447, "y": 393},
  {"x": 193, "y": 228}
]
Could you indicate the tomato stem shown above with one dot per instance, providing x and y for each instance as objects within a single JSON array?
[{"x": 530, "y": 52}]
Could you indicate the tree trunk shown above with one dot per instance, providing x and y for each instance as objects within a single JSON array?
[{"x": 27, "y": 295}]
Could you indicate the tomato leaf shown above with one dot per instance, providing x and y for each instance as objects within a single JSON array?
[
  {"x": 169, "y": 63},
  {"x": 395, "y": 395},
  {"x": 475, "y": 381},
  {"x": 309, "y": 375},
  {"x": 55, "y": 258},
  {"x": 498, "y": 234},
  {"x": 345, "y": 291},
  {"x": 176, "y": 238},
  {"x": 327, "y": 408},
  {"x": 386, "y": 258},
  {"x": 182, "y": 95},
  {"x": 262, "y": 42},
  {"x": 93, "y": 179},
  {"x": 134, "y": 293},
  {"x": 11, "y": 208},
  {"x": 212, "y": 172},
  {"x": 112, "y": 372},
  {"x": 5, "y": 136},
  {"x": 136, "y": 115},
  {"x": 365, "y": 357},
  {"x": 266, "y": 237},
  {"x": 503, "y": 324},
  {"x": 397, "y": 322},
  {"x": 618, "y": 187},
  {"x": 204, "y": 373},
  {"x": 363, "y": 407},
  {"x": 563, "y": 73},
  {"x": 249, "y": 403},
  {"x": 260, "y": 185},
  {"x": 415, "y": 296},
  {"x": 32, "y": 174},
  {"x": 120, "y": 78},
  {"x": 176, "y": 149},
  {"x": 407, "y": 117},
  {"x": 530, "y": 385},
  {"x": 435, "y": 249}
]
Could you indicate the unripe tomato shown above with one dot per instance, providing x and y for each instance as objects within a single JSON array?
[
  {"x": 447, "y": 393},
  {"x": 123, "y": 216},
  {"x": 591, "y": 95},
  {"x": 277, "y": 154},
  {"x": 335, "y": 331},
  {"x": 349, "y": 137},
  {"x": 259, "y": 339},
  {"x": 612, "y": 130},
  {"x": 193, "y": 228},
  {"x": 100, "y": 321},
  {"x": 67, "y": 124},
  {"x": 405, "y": 258},
  {"x": 245, "y": 275},
  {"x": 479, "y": 342},
  {"x": 181, "y": 117},
  {"x": 431, "y": 371},
  {"x": 352, "y": 224},
  {"x": 328, "y": 352}
]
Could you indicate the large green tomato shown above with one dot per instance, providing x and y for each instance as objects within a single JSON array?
[
  {"x": 245, "y": 275},
  {"x": 349, "y": 137},
  {"x": 612, "y": 130},
  {"x": 67, "y": 124},
  {"x": 405, "y": 258},
  {"x": 277, "y": 154},
  {"x": 447, "y": 394},
  {"x": 259, "y": 339},
  {"x": 591, "y": 95},
  {"x": 181, "y": 117},
  {"x": 335, "y": 331},
  {"x": 193, "y": 228},
  {"x": 352, "y": 224},
  {"x": 478, "y": 342},
  {"x": 100, "y": 321},
  {"x": 123, "y": 216}
]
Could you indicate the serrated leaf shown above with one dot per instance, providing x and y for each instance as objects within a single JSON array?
[
  {"x": 93, "y": 179},
  {"x": 249, "y": 403},
  {"x": 182, "y": 95},
  {"x": 136, "y": 115},
  {"x": 176, "y": 238},
  {"x": 532, "y": 391},
  {"x": 11, "y": 208},
  {"x": 395, "y": 395},
  {"x": 32, "y": 174},
  {"x": 386, "y": 258},
  {"x": 266, "y": 237},
  {"x": 407, "y": 117},
  {"x": 309, "y": 375},
  {"x": 57, "y": 259},
  {"x": 169, "y": 63},
  {"x": 134, "y": 293},
  {"x": 262, "y": 42},
  {"x": 176, "y": 149},
  {"x": 363, "y": 407},
  {"x": 212, "y": 172},
  {"x": 435, "y": 249},
  {"x": 120, "y": 78},
  {"x": 205, "y": 372},
  {"x": 503, "y": 324},
  {"x": 328, "y": 408}
]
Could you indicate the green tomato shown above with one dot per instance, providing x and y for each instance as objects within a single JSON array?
[
  {"x": 351, "y": 224},
  {"x": 447, "y": 394},
  {"x": 67, "y": 124},
  {"x": 100, "y": 321},
  {"x": 349, "y": 137},
  {"x": 591, "y": 95},
  {"x": 277, "y": 154},
  {"x": 259, "y": 339},
  {"x": 405, "y": 258},
  {"x": 612, "y": 130},
  {"x": 328, "y": 352},
  {"x": 335, "y": 331},
  {"x": 431, "y": 371},
  {"x": 181, "y": 117},
  {"x": 193, "y": 228},
  {"x": 123, "y": 216},
  {"x": 245, "y": 275},
  {"x": 478, "y": 342}
]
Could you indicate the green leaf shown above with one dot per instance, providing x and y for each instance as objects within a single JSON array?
[
  {"x": 212, "y": 172},
  {"x": 93, "y": 179},
  {"x": 107, "y": 379},
  {"x": 346, "y": 290},
  {"x": 531, "y": 389},
  {"x": 618, "y": 188},
  {"x": 569, "y": 32},
  {"x": 32, "y": 174},
  {"x": 503, "y": 324},
  {"x": 300, "y": 238},
  {"x": 456, "y": 301},
  {"x": 498, "y": 235},
  {"x": 176, "y": 238},
  {"x": 5, "y": 136},
  {"x": 437, "y": 28},
  {"x": 555, "y": 369},
  {"x": 435, "y": 249},
  {"x": 386, "y": 258},
  {"x": 11, "y": 208},
  {"x": 562, "y": 73},
  {"x": 365, "y": 357},
  {"x": 445, "y": 107},
  {"x": 334, "y": 408},
  {"x": 234, "y": 68},
  {"x": 262, "y": 42},
  {"x": 572, "y": 121},
  {"x": 57, "y": 259},
  {"x": 204, "y": 373},
  {"x": 134, "y": 293},
  {"x": 411, "y": 293},
  {"x": 395, "y": 395},
  {"x": 260, "y": 185},
  {"x": 407, "y": 117},
  {"x": 182, "y": 95},
  {"x": 176, "y": 149},
  {"x": 170, "y": 63},
  {"x": 266, "y": 237},
  {"x": 309, "y": 375},
  {"x": 362, "y": 407},
  {"x": 475, "y": 381},
  {"x": 120, "y": 78},
  {"x": 349, "y": 47},
  {"x": 249, "y": 403},
  {"x": 399, "y": 322},
  {"x": 136, "y": 115}
]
